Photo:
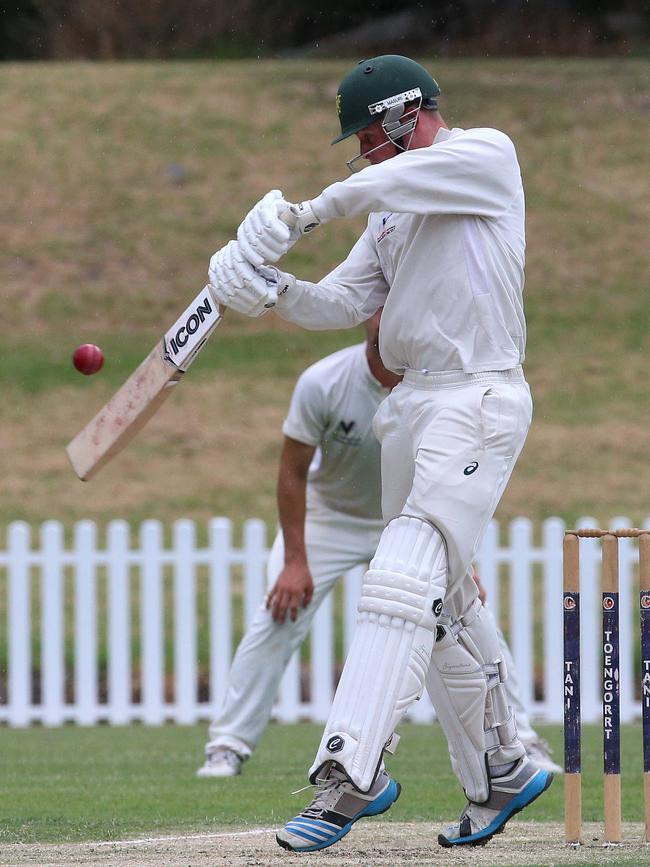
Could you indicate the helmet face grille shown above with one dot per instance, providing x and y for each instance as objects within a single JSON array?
[
  {"x": 377, "y": 84},
  {"x": 398, "y": 123}
]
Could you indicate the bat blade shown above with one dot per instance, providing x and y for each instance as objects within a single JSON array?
[{"x": 148, "y": 387}]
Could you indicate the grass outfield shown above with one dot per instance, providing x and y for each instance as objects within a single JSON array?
[
  {"x": 74, "y": 784},
  {"x": 101, "y": 243}
]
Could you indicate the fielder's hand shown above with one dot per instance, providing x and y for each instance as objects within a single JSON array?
[
  {"x": 292, "y": 591},
  {"x": 273, "y": 226},
  {"x": 235, "y": 283}
]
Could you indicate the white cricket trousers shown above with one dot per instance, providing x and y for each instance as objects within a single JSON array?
[
  {"x": 449, "y": 442},
  {"x": 335, "y": 543}
]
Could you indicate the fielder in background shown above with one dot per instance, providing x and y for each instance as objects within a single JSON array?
[
  {"x": 443, "y": 254},
  {"x": 329, "y": 502}
]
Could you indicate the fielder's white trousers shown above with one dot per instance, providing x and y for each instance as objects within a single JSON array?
[{"x": 335, "y": 543}]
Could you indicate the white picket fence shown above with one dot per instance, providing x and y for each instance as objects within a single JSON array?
[{"x": 80, "y": 603}]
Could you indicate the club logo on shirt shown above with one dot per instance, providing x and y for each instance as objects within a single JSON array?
[
  {"x": 343, "y": 434},
  {"x": 385, "y": 233}
]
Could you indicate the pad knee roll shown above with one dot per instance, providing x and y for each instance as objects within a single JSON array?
[{"x": 385, "y": 671}]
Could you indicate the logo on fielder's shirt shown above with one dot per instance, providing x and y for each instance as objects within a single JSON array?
[
  {"x": 343, "y": 434},
  {"x": 335, "y": 744},
  {"x": 472, "y": 468}
]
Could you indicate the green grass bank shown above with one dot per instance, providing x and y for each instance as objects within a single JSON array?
[{"x": 120, "y": 180}]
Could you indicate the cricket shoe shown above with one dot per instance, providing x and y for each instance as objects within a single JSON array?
[
  {"x": 334, "y": 810},
  {"x": 509, "y": 794},
  {"x": 540, "y": 752},
  {"x": 221, "y": 762}
]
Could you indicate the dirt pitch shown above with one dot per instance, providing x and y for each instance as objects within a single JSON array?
[{"x": 377, "y": 844}]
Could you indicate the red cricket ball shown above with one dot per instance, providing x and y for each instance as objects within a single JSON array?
[{"x": 88, "y": 358}]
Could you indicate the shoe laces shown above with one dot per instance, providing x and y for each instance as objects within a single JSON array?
[{"x": 324, "y": 798}]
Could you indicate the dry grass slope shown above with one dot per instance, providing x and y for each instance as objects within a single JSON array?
[{"x": 121, "y": 179}]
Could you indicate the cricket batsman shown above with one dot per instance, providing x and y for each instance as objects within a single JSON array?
[
  {"x": 443, "y": 253},
  {"x": 329, "y": 505}
]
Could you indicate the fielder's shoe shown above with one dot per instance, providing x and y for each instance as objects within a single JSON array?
[
  {"x": 334, "y": 810},
  {"x": 221, "y": 762},
  {"x": 509, "y": 794},
  {"x": 540, "y": 752}
]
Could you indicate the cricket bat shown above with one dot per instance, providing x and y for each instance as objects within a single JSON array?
[{"x": 146, "y": 389}]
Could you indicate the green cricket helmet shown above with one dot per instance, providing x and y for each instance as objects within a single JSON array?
[{"x": 379, "y": 84}]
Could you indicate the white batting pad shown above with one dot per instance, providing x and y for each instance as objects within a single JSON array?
[
  {"x": 466, "y": 685},
  {"x": 401, "y": 600}
]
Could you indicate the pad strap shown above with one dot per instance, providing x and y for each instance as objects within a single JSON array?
[{"x": 466, "y": 686}]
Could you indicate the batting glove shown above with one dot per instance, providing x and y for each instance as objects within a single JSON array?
[
  {"x": 235, "y": 283},
  {"x": 263, "y": 236},
  {"x": 305, "y": 219}
]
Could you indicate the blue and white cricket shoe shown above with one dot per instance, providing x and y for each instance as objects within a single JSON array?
[
  {"x": 508, "y": 795},
  {"x": 334, "y": 810}
]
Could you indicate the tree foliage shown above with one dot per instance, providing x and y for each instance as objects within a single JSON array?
[{"x": 97, "y": 29}]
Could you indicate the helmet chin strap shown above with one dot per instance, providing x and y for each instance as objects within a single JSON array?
[{"x": 397, "y": 124}]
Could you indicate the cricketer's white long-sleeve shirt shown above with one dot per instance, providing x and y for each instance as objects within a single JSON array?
[{"x": 443, "y": 252}]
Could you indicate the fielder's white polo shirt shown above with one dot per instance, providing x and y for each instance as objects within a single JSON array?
[{"x": 332, "y": 408}]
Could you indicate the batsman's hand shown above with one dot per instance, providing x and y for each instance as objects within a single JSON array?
[
  {"x": 292, "y": 591},
  {"x": 273, "y": 226},
  {"x": 237, "y": 284}
]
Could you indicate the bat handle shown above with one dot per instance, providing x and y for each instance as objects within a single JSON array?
[
  {"x": 221, "y": 308},
  {"x": 289, "y": 218}
]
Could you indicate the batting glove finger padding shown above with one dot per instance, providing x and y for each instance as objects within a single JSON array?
[
  {"x": 263, "y": 235},
  {"x": 237, "y": 284}
]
